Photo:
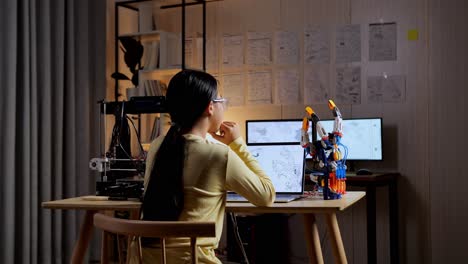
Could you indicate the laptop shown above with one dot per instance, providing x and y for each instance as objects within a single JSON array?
[
  {"x": 275, "y": 143},
  {"x": 284, "y": 164}
]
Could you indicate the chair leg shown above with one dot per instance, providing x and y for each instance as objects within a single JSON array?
[
  {"x": 120, "y": 249},
  {"x": 163, "y": 249},
  {"x": 104, "y": 248},
  {"x": 140, "y": 254},
  {"x": 129, "y": 249},
  {"x": 193, "y": 249}
]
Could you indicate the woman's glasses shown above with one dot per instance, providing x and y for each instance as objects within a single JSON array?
[{"x": 224, "y": 101}]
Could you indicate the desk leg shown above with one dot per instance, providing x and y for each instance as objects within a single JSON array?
[
  {"x": 313, "y": 240},
  {"x": 336, "y": 241},
  {"x": 107, "y": 241},
  {"x": 105, "y": 247},
  {"x": 393, "y": 204},
  {"x": 83, "y": 240},
  {"x": 371, "y": 225}
]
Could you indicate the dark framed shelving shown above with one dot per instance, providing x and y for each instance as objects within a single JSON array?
[{"x": 133, "y": 5}]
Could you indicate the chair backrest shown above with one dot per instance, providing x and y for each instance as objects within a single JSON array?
[{"x": 157, "y": 229}]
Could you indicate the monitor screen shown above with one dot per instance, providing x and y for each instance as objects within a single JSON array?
[
  {"x": 284, "y": 164},
  {"x": 362, "y": 136},
  {"x": 273, "y": 131}
]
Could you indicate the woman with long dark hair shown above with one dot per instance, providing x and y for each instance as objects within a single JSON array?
[{"x": 187, "y": 176}]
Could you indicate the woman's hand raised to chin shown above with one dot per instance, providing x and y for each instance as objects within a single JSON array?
[{"x": 228, "y": 132}]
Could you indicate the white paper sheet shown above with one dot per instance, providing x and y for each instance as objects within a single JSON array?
[
  {"x": 286, "y": 47},
  {"x": 390, "y": 89},
  {"x": 316, "y": 85},
  {"x": 258, "y": 48},
  {"x": 348, "y": 85},
  {"x": 211, "y": 54},
  {"x": 259, "y": 87},
  {"x": 316, "y": 46},
  {"x": 383, "y": 42},
  {"x": 233, "y": 89},
  {"x": 189, "y": 52},
  {"x": 348, "y": 43},
  {"x": 288, "y": 86},
  {"x": 233, "y": 51}
]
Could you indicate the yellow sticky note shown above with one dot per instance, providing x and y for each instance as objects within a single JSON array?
[{"x": 413, "y": 34}]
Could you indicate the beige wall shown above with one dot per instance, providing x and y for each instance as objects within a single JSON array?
[
  {"x": 447, "y": 115},
  {"x": 413, "y": 129}
]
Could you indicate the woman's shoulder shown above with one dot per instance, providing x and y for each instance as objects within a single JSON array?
[{"x": 208, "y": 143}]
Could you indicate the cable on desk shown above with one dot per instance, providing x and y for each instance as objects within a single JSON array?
[{"x": 238, "y": 237}]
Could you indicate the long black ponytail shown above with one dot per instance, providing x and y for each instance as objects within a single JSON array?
[{"x": 189, "y": 93}]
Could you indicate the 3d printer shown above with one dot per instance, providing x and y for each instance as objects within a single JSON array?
[{"x": 121, "y": 173}]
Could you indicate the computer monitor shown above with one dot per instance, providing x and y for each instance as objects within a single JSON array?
[
  {"x": 273, "y": 131},
  {"x": 362, "y": 136}
]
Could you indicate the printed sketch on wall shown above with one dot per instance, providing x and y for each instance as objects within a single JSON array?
[
  {"x": 259, "y": 48},
  {"x": 383, "y": 42},
  {"x": 316, "y": 85},
  {"x": 286, "y": 48},
  {"x": 259, "y": 87},
  {"x": 348, "y": 85},
  {"x": 288, "y": 86},
  {"x": 316, "y": 46},
  {"x": 386, "y": 89},
  {"x": 233, "y": 51},
  {"x": 348, "y": 43},
  {"x": 233, "y": 89}
]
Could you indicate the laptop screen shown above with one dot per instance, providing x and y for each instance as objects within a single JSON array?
[
  {"x": 273, "y": 131},
  {"x": 284, "y": 164}
]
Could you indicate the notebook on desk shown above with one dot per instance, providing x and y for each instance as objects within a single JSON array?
[{"x": 284, "y": 164}]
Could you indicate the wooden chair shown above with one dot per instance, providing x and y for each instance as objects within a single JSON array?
[{"x": 153, "y": 229}]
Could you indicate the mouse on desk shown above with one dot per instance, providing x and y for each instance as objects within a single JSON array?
[{"x": 363, "y": 172}]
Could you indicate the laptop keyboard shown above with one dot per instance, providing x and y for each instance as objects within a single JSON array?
[{"x": 231, "y": 197}]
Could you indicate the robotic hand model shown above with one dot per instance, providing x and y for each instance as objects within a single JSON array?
[{"x": 326, "y": 153}]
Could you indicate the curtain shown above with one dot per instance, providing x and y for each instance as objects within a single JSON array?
[{"x": 52, "y": 73}]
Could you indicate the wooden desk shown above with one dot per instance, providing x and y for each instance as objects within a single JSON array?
[
  {"x": 308, "y": 207},
  {"x": 371, "y": 182}
]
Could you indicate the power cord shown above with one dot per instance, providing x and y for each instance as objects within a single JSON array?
[
  {"x": 238, "y": 237},
  {"x": 142, "y": 151}
]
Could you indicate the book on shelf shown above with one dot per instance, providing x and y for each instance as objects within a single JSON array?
[
  {"x": 150, "y": 55},
  {"x": 161, "y": 51},
  {"x": 153, "y": 88},
  {"x": 170, "y": 45}
]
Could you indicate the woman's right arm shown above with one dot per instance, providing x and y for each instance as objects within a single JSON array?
[
  {"x": 243, "y": 173},
  {"x": 246, "y": 177}
]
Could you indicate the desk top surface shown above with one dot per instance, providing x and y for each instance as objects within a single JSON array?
[
  {"x": 92, "y": 202},
  {"x": 305, "y": 205}
]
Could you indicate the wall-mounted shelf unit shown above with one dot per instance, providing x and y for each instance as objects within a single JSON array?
[{"x": 165, "y": 60}]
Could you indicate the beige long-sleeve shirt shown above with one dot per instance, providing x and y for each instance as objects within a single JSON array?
[{"x": 210, "y": 170}]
